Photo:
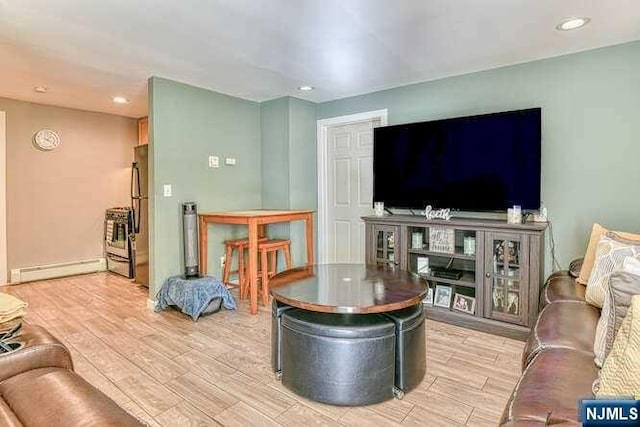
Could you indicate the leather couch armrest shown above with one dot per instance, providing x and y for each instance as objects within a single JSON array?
[{"x": 39, "y": 349}]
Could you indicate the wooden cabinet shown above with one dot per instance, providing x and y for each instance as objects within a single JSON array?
[
  {"x": 143, "y": 131},
  {"x": 507, "y": 277},
  {"x": 483, "y": 274},
  {"x": 385, "y": 243}
]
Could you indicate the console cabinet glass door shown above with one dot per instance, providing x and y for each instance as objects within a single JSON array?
[
  {"x": 506, "y": 277},
  {"x": 386, "y": 245}
]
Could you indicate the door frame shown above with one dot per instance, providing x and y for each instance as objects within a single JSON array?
[
  {"x": 323, "y": 126},
  {"x": 3, "y": 199}
]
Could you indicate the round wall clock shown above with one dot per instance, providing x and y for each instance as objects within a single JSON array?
[{"x": 46, "y": 139}]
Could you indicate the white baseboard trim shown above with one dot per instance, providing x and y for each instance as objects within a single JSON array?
[
  {"x": 51, "y": 271},
  {"x": 151, "y": 304}
]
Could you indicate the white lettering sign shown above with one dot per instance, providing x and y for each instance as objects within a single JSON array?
[{"x": 444, "y": 214}]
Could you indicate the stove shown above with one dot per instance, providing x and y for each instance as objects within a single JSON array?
[{"x": 118, "y": 229}]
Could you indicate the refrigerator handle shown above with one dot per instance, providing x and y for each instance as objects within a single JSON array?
[
  {"x": 135, "y": 180},
  {"x": 135, "y": 196}
]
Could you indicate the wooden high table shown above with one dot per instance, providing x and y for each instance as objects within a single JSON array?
[{"x": 255, "y": 220}]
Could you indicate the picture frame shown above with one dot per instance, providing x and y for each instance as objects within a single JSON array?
[
  {"x": 422, "y": 265},
  {"x": 428, "y": 299},
  {"x": 513, "y": 303},
  {"x": 498, "y": 299},
  {"x": 442, "y": 296},
  {"x": 464, "y": 303}
]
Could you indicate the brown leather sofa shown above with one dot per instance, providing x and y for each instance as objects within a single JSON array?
[
  {"x": 39, "y": 388},
  {"x": 557, "y": 362}
]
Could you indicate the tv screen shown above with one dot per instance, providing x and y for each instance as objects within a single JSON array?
[{"x": 479, "y": 163}]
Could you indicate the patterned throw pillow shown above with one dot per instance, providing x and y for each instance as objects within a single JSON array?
[
  {"x": 590, "y": 256},
  {"x": 610, "y": 255},
  {"x": 631, "y": 265},
  {"x": 622, "y": 287},
  {"x": 620, "y": 374}
]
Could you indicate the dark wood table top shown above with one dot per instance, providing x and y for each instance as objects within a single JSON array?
[{"x": 347, "y": 288}]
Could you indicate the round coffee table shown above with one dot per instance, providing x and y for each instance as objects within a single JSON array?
[{"x": 348, "y": 334}]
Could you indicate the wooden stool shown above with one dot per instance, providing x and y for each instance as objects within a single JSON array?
[
  {"x": 268, "y": 251},
  {"x": 239, "y": 245}
]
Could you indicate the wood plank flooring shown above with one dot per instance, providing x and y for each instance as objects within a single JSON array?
[{"x": 170, "y": 371}]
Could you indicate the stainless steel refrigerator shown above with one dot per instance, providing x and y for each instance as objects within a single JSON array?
[{"x": 140, "y": 206}]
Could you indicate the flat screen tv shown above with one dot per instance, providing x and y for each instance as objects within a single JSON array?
[{"x": 479, "y": 163}]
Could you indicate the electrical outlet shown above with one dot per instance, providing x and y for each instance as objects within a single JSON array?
[
  {"x": 214, "y": 162},
  {"x": 230, "y": 161},
  {"x": 222, "y": 261}
]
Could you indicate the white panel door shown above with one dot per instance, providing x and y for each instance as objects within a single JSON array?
[{"x": 349, "y": 189}]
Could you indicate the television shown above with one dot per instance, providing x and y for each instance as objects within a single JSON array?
[{"x": 486, "y": 162}]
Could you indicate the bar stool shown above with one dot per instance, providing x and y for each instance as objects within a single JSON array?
[
  {"x": 268, "y": 251},
  {"x": 238, "y": 245}
]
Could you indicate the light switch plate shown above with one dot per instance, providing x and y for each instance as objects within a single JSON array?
[
  {"x": 230, "y": 161},
  {"x": 214, "y": 162},
  {"x": 167, "y": 190}
]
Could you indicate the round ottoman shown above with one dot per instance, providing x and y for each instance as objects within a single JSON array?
[{"x": 340, "y": 359}]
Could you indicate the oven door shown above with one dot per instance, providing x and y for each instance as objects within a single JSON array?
[
  {"x": 117, "y": 238},
  {"x": 119, "y": 265}
]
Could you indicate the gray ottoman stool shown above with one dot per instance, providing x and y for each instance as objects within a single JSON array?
[
  {"x": 340, "y": 359},
  {"x": 277, "y": 308},
  {"x": 411, "y": 351}
]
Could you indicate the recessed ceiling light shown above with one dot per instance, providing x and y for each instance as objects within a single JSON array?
[
  {"x": 306, "y": 88},
  {"x": 40, "y": 89},
  {"x": 572, "y": 24},
  {"x": 120, "y": 100}
]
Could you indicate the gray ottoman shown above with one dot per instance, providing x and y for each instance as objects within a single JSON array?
[
  {"x": 277, "y": 308},
  {"x": 411, "y": 351},
  {"x": 340, "y": 359}
]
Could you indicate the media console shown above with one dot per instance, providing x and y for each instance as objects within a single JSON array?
[{"x": 496, "y": 268}]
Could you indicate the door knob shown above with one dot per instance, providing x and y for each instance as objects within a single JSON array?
[{"x": 488, "y": 275}]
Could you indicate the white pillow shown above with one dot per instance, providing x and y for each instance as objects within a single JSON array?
[{"x": 631, "y": 265}]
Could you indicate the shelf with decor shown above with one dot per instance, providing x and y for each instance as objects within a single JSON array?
[{"x": 482, "y": 274}]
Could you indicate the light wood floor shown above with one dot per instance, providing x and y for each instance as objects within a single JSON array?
[{"x": 170, "y": 371}]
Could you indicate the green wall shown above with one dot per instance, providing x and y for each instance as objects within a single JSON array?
[
  {"x": 590, "y": 130},
  {"x": 303, "y": 176},
  {"x": 289, "y": 178},
  {"x": 187, "y": 125}
]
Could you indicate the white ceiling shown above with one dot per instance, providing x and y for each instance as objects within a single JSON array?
[{"x": 87, "y": 51}]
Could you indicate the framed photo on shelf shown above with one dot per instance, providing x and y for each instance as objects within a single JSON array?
[
  {"x": 422, "y": 265},
  {"x": 443, "y": 296},
  {"x": 464, "y": 303},
  {"x": 513, "y": 303},
  {"x": 429, "y": 298},
  {"x": 498, "y": 299}
]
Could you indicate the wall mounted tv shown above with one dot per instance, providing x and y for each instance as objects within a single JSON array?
[{"x": 478, "y": 163}]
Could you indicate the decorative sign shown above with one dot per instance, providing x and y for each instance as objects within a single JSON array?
[
  {"x": 444, "y": 214},
  {"x": 442, "y": 239}
]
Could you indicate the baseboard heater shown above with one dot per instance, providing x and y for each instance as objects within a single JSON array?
[{"x": 51, "y": 271}]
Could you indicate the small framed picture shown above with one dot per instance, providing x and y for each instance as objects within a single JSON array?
[
  {"x": 442, "y": 297},
  {"x": 513, "y": 303},
  {"x": 498, "y": 299},
  {"x": 429, "y": 298},
  {"x": 422, "y": 265},
  {"x": 464, "y": 303}
]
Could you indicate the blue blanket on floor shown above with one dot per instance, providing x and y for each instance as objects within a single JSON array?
[{"x": 193, "y": 296}]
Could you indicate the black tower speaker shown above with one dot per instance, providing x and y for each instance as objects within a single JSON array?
[{"x": 190, "y": 236}]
